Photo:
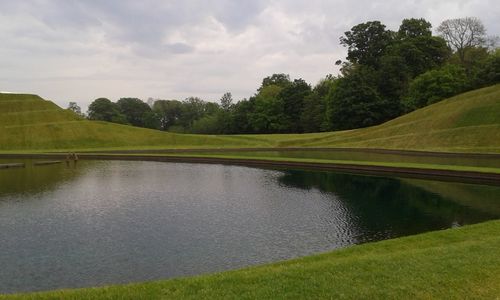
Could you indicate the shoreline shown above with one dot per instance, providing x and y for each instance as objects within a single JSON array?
[{"x": 464, "y": 176}]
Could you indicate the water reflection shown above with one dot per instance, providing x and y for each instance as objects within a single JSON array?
[
  {"x": 110, "y": 222},
  {"x": 389, "y": 207},
  {"x": 34, "y": 178}
]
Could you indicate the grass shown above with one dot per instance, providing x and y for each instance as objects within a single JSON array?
[
  {"x": 457, "y": 263},
  {"x": 400, "y": 164},
  {"x": 466, "y": 123}
]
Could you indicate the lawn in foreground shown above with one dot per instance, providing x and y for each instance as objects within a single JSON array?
[{"x": 456, "y": 263}]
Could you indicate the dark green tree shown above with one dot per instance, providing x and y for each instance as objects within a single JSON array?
[
  {"x": 193, "y": 108},
  {"x": 281, "y": 80},
  {"x": 169, "y": 112},
  {"x": 226, "y": 101},
  {"x": 436, "y": 85},
  {"x": 134, "y": 110},
  {"x": 355, "y": 102},
  {"x": 102, "y": 109},
  {"x": 313, "y": 114},
  {"x": 412, "y": 28},
  {"x": 268, "y": 112},
  {"x": 292, "y": 96},
  {"x": 366, "y": 43},
  {"x": 488, "y": 70},
  {"x": 240, "y": 116}
]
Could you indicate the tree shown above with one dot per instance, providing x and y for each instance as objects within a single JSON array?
[
  {"x": 463, "y": 34},
  {"x": 208, "y": 124},
  {"x": 102, "y": 109},
  {"x": 134, "y": 110},
  {"x": 488, "y": 72},
  {"x": 226, "y": 101},
  {"x": 169, "y": 112},
  {"x": 75, "y": 108},
  {"x": 152, "y": 120},
  {"x": 366, "y": 42},
  {"x": 313, "y": 114},
  {"x": 355, "y": 102},
  {"x": 281, "y": 80},
  {"x": 435, "y": 85},
  {"x": 224, "y": 116},
  {"x": 292, "y": 96},
  {"x": 240, "y": 117},
  {"x": 268, "y": 115},
  {"x": 412, "y": 28}
]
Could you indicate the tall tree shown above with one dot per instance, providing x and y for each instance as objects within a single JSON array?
[
  {"x": 169, "y": 112},
  {"x": 292, "y": 97},
  {"x": 226, "y": 101},
  {"x": 313, "y": 114},
  {"x": 281, "y": 80},
  {"x": 412, "y": 28},
  {"x": 463, "y": 34},
  {"x": 366, "y": 42},
  {"x": 268, "y": 115},
  {"x": 102, "y": 109},
  {"x": 355, "y": 102},
  {"x": 134, "y": 110}
]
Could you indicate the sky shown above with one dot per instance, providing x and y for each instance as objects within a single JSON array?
[{"x": 69, "y": 50}]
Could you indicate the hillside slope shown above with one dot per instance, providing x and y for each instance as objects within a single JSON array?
[
  {"x": 27, "y": 122},
  {"x": 469, "y": 122}
]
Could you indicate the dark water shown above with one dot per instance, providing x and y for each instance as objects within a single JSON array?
[{"x": 116, "y": 222}]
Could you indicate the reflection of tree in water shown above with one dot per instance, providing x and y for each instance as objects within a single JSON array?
[
  {"x": 387, "y": 205},
  {"x": 35, "y": 179}
]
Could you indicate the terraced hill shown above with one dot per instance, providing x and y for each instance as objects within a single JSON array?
[
  {"x": 27, "y": 123},
  {"x": 466, "y": 123}
]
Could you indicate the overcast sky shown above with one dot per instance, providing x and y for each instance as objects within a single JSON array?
[{"x": 68, "y": 50}]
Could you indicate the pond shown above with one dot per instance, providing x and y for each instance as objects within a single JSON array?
[{"x": 110, "y": 222}]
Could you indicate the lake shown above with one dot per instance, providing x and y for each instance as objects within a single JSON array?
[{"x": 110, "y": 222}]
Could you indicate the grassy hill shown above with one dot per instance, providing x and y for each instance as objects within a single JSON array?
[
  {"x": 469, "y": 122},
  {"x": 27, "y": 122}
]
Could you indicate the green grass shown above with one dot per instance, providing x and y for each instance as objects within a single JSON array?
[
  {"x": 452, "y": 264},
  {"x": 400, "y": 164},
  {"x": 458, "y": 263},
  {"x": 466, "y": 123}
]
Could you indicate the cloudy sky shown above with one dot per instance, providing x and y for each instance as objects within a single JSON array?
[{"x": 69, "y": 50}]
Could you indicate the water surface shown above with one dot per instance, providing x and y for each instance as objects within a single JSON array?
[{"x": 107, "y": 222}]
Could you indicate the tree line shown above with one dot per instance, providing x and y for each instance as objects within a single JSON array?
[{"x": 386, "y": 74}]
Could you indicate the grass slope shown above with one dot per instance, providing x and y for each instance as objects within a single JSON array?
[
  {"x": 452, "y": 264},
  {"x": 469, "y": 122},
  {"x": 27, "y": 123},
  {"x": 466, "y": 123}
]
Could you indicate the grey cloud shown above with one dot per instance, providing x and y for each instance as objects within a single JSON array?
[{"x": 81, "y": 50}]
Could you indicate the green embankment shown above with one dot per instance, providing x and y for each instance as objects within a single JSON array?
[
  {"x": 29, "y": 123},
  {"x": 469, "y": 122},
  {"x": 466, "y": 123},
  {"x": 459, "y": 263}
]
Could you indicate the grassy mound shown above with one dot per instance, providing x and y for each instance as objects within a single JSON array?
[
  {"x": 466, "y": 123},
  {"x": 469, "y": 122},
  {"x": 451, "y": 264},
  {"x": 27, "y": 122}
]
